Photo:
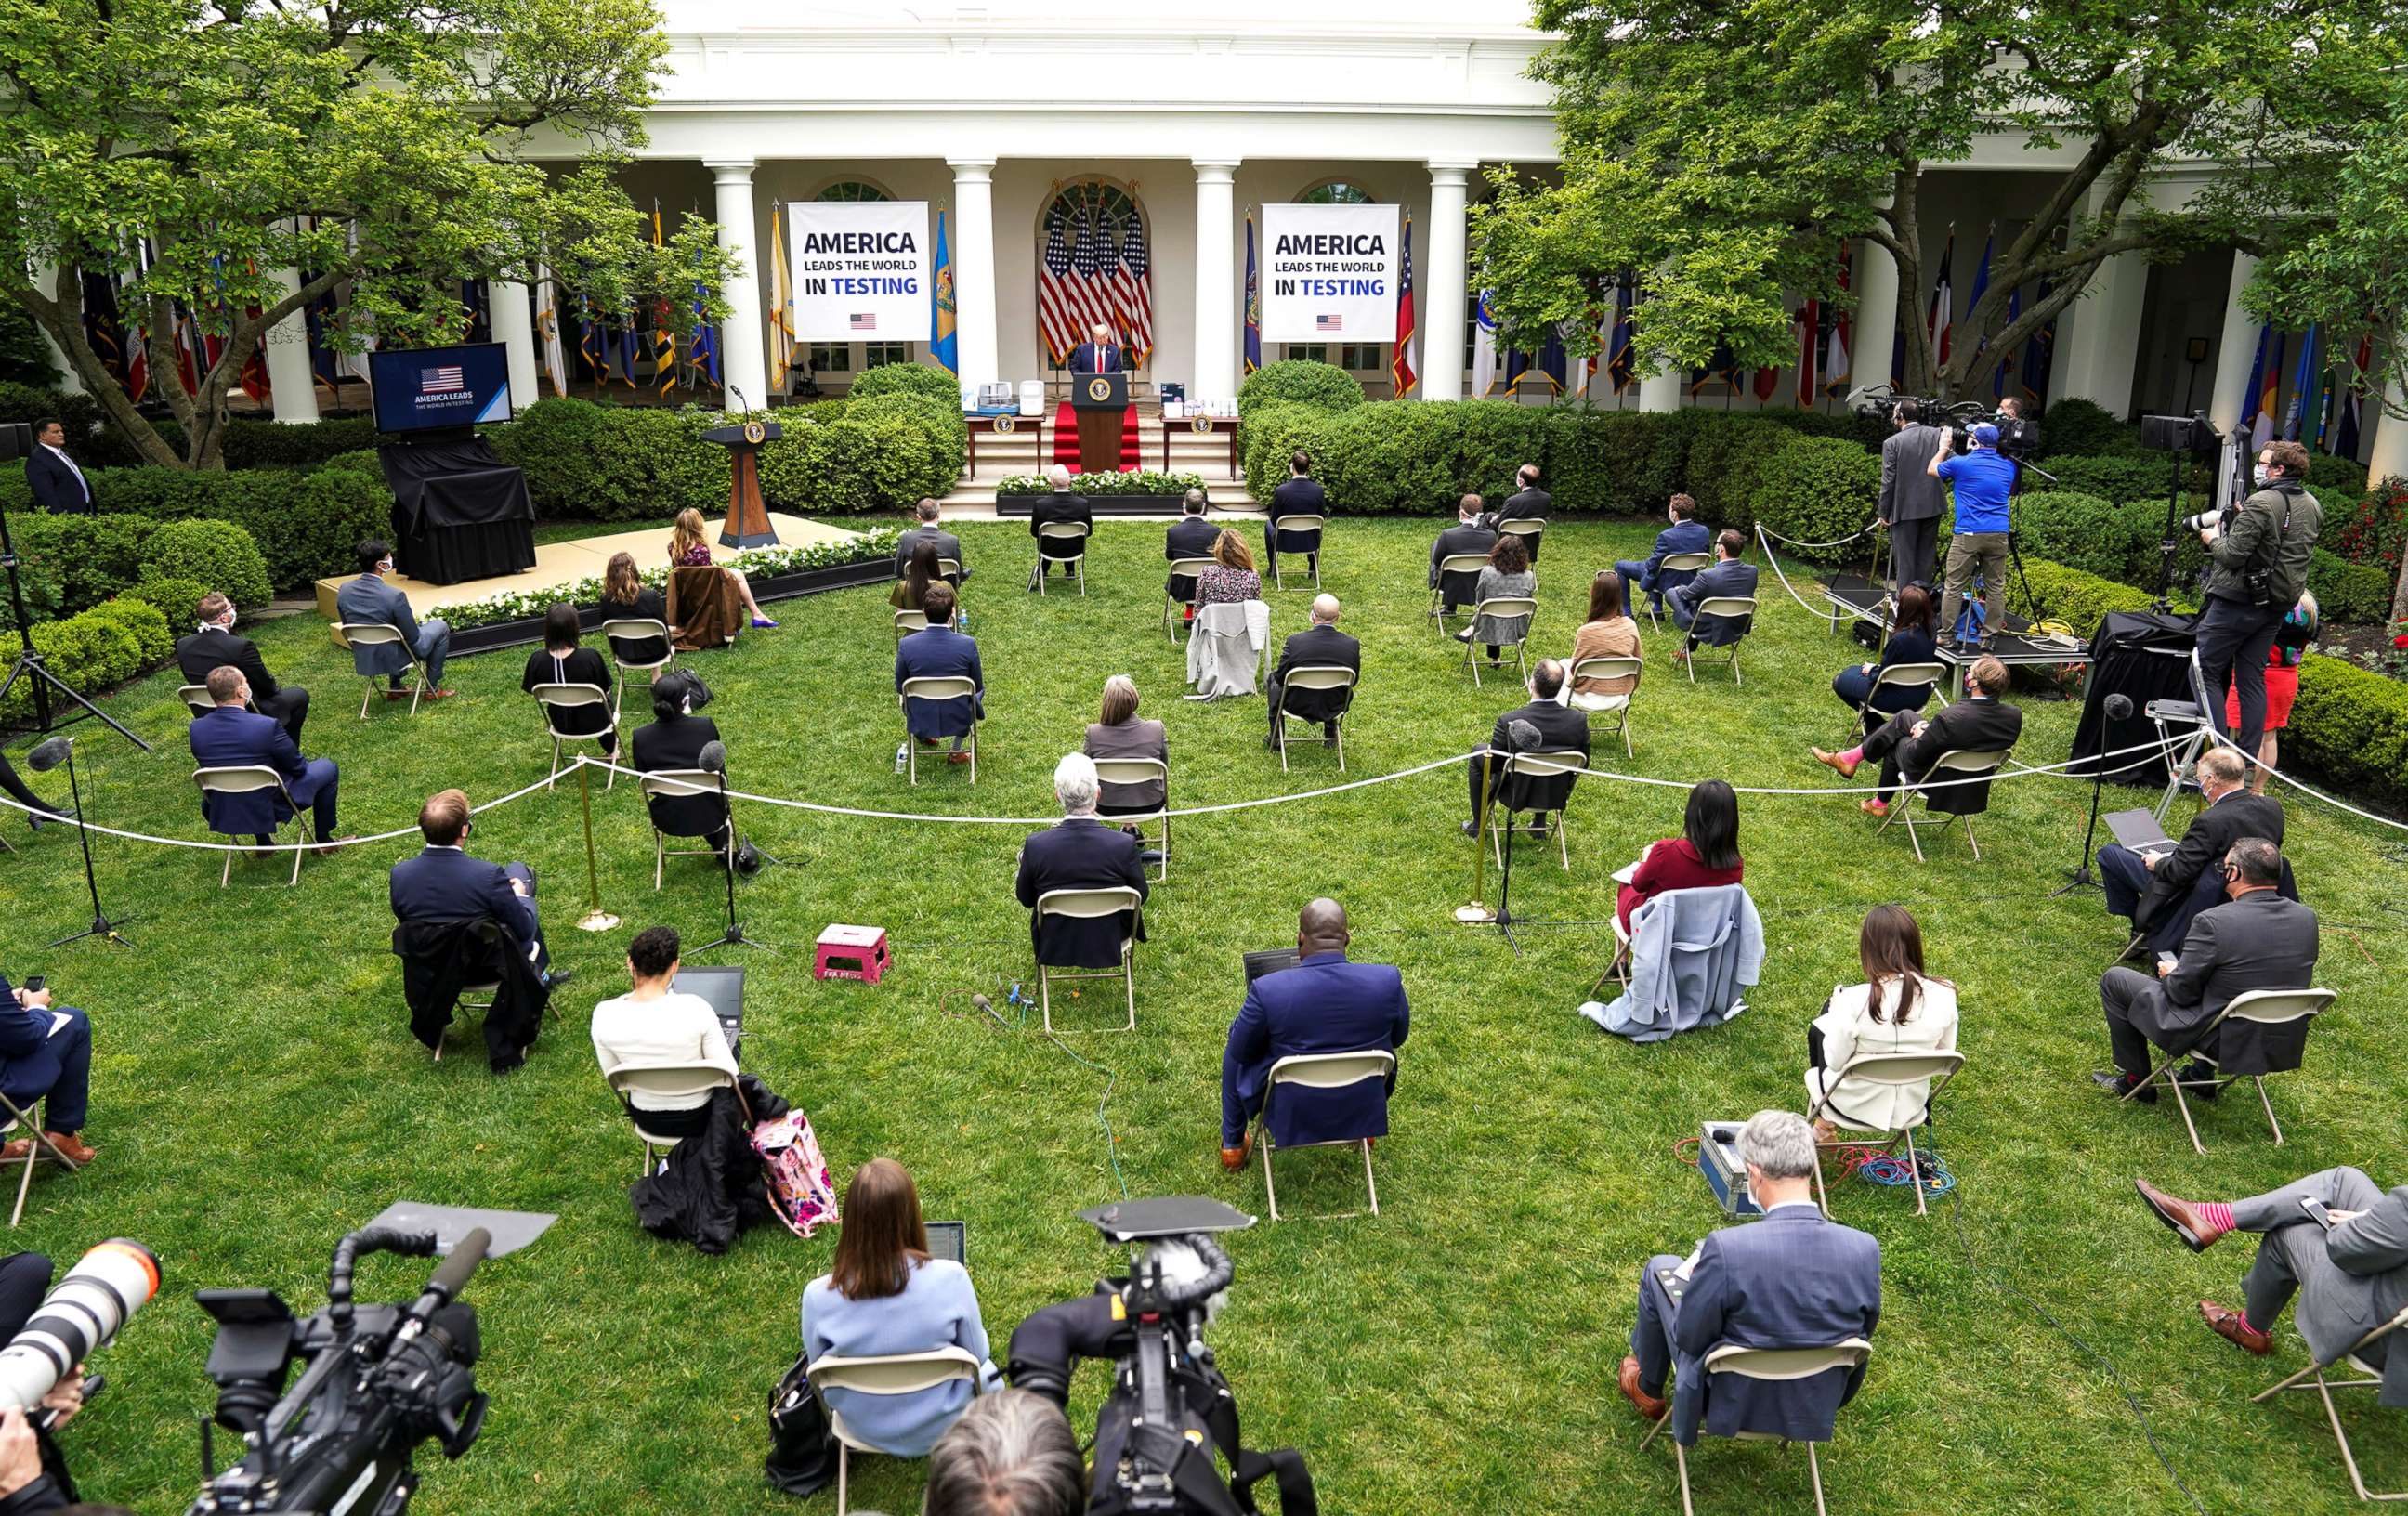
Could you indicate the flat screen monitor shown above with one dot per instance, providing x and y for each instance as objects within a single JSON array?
[{"x": 422, "y": 389}]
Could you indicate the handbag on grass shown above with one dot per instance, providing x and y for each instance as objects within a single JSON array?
[
  {"x": 802, "y": 1446},
  {"x": 794, "y": 1173}
]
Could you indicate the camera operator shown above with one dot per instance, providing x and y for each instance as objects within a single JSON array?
[
  {"x": 1011, "y": 1453},
  {"x": 2019, "y": 438},
  {"x": 1911, "y": 499},
  {"x": 1984, "y": 483},
  {"x": 2257, "y": 567}
]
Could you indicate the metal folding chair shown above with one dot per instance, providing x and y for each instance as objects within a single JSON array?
[
  {"x": 1925, "y": 677},
  {"x": 950, "y": 570},
  {"x": 1323, "y": 1071},
  {"x": 2265, "y": 1007},
  {"x": 1504, "y": 606},
  {"x": 1142, "y": 771},
  {"x": 2182, "y": 754},
  {"x": 1960, "y": 763},
  {"x": 1315, "y": 676},
  {"x": 1187, "y": 568},
  {"x": 1525, "y": 527},
  {"x": 1087, "y": 905},
  {"x": 42, "y": 1147},
  {"x": 1453, "y": 562},
  {"x": 195, "y": 698},
  {"x": 674, "y": 1081},
  {"x": 1317, "y": 525},
  {"x": 884, "y": 1374},
  {"x": 1683, "y": 562},
  {"x": 553, "y": 697},
  {"x": 1534, "y": 765},
  {"x": 1730, "y": 608},
  {"x": 1061, "y": 532},
  {"x": 1933, "y": 1070},
  {"x": 372, "y": 634},
  {"x": 941, "y": 687},
  {"x": 2370, "y": 1378},
  {"x": 678, "y": 783},
  {"x": 622, "y": 629},
  {"x": 247, "y": 778},
  {"x": 1608, "y": 667},
  {"x": 909, "y": 622},
  {"x": 1767, "y": 1364}
]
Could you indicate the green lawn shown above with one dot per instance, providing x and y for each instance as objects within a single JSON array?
[{"x": 257, "y": 1092}]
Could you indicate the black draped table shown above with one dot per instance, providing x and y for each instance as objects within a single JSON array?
[{"x": 459, "y": 512}]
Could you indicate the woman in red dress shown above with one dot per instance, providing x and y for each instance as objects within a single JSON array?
[{"x": 1706, "y": 854}]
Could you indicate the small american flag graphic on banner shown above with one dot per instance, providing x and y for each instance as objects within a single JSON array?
[
  {"x": 867, "y": 322},
  {"x": 442, "y": 380},
  {"x": 1328, "y": 324}
]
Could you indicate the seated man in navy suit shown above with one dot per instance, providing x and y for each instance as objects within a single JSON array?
[
  {"x": 1685, "y": 534},
  {"x": 444, "y": 884},
  {"x": 936, "y": 650},
  {"x": 1795, "y": 1278},
  {"x": 1077, "y": 852},
  {"x": 369, "y": 599},
  {"x": 1730, "y": 575},
  {"x": 46, "y": 1055},
  {"x": 1325, "y": 1004},
  {"x": 231, "y": 737}
]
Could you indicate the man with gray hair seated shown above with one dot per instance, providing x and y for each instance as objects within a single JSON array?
[
  {"x": 1061, "y": 506},
  {"x": 1011, "y": 1453},
  {"x": 1080, "y": 852},
  {"x": 946, "y": 543},
  {"x": 1795, "y": 1278}
]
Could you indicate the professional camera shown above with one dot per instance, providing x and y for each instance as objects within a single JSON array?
[
  {"x": 377, "y": 1381},
  {"x": 2206, "y": 519},
  {"x": 1957, "y": 418},
  {"x": 1170, "y": 1408},
  {"x": 81, "y": 1314}
]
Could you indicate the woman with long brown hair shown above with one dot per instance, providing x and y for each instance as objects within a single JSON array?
[
  {"x": 882, "y": 1293},
  {"x": 1231, "y": 577},
  {"x": 1899, "y": 1008},
  {"x": 688, "y": 549},
  {"x": 919, "y": 572},
  {"x": 625, "y": 597},
  {"x": 1608, "y": 633}
]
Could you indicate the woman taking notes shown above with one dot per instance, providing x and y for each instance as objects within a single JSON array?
[{"x": 1899, "y": 1008}]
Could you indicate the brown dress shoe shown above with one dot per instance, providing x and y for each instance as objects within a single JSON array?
[
  {"x": 1235, "y": 1158},
  {"x": 2234, "y": 1327},
  {"x": 72, "y": 1146},
  {"x": 1846, "y": 766},
  {"x": 1651, "y": 1406},
  {"x": 2180, "y": 1215},
  {"x": 333, "y": 845},
  {"x": 14, "y": 1150},
  {"x": 440, "y": 694}
]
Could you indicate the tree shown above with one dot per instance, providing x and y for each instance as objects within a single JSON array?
[
  {"x": 379, "y": 145},
  {"x": 1724, "y": 148}
]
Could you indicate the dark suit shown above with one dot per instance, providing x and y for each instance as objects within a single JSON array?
[
  {"x": 58, "y": 486},
  {"x": 38, "y": 1064},
  {"x": 1080, "y": 852},
  {"x": 445, "y": 884},
  {"x": 1296, "y": 496},
  {"x": 677, "y": 742},
  {"x": 1974, "y": 726},
  {"x": 1325, "y": 1004},
  {"x": 1727, "y": 576},
  {"x": 941, "y": 652},
  {"x": 24, "y": 1280},
  {"x": 1321, "y": 646},
  {"x": 1061, "y": 506},
  {"x": 2261, "y": 941},
  {"x": 1531, "y": 504},
  {"x": 214, "y": 647},
  {"x": 370, "y": 598},
  {"x": 1190, "y": 536},
  {"x": 1560, "y": 729},
  {"x": 1911, "y": 501},
  {"x": 947, "y": 544},
  {"x": 1086, "y": 358},
  {"x": 1794, "y": 1279},
  {"x": 230, "y": 737},
  {"x": 2141, "y": 894},
  {"x": 1459, "y": 587},
  {"x": 1679, "y": 537}
]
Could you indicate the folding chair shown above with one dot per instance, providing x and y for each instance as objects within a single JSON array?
[
  {"x": 480, "y": 995},
  {"x": 944, "y": 687},
  {"x": 673, "y": 1081},
  {"x": 622, "y": 629},
  {"x": 1087, "y": 905},
  {"x": 1142, "y": 771},
  {"x": 248, "y": 778},
  {"x": 371, "y": 634},
  {"x": 2181, "y": 755},
  {"x": 1314, "y": 524},
  {"x": 195, "y": 698},
  {"x": 1504, "y": 606},
  {"x": 1687, "y": 563},
  {"x": 950, "y": 570},
  {"x": 909, "y": 622},
  {"x": 678, "y": 783},
  {"x": 1316, "y": 676},
  {"x": 1061, "y": 532},
  {"x": 1453, "y": 562},
  {"x": 1962, "y": 763},
  {"x": 893, "y": 1373},
  {"x": 1187, "y": 568},
  {"x": 1730, "y": 607},
  {"x": 1533, "y": 765},
  {"x": 2265, "y": 1007},
  {"x": 1767, "y": 1364},
  {"x": 42, "y": 1147},
  {"x": 1608, "y": 667},
  {"x": 553, "y": 697},
  {"x": 1323, "y": 1071},
  {"x": 1932, "y": 1069},
  {"x": 2370, "y": 1378},
  {"x": 1525, "y": 527},
  {"x": 1925, "y": 677}
]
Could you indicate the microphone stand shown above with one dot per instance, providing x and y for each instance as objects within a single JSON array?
[
  {"x": 2080, "y": 877},
  {"x": 734, "y": 937},
  {"x": 101, "y": 926}
]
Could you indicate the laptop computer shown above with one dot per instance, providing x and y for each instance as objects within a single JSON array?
[
  {"x": 723, "y": 987},
  {"x": 950, "y": 1239},
  {"x": 2138, "y": 830},
  {"x": 1270, "y": 961}
]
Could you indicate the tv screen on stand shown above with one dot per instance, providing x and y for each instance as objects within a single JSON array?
[{"x": 428, "y": 389}]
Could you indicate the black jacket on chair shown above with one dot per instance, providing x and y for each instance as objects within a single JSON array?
[
  {"x": 439, "y": 958},
  {"x": 677, "y": 743},
  {"x": 1080, "y": 852},
  {"x": 1322, "y": 646},
  {"x": 711, "y": 1190}
]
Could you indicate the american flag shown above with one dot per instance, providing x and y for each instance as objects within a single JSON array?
[
  {"x": 1055, "y": 312},
  {"x": 1099, "y": 261},
  {"x": 1330, "y": 323},
  {"x": 867, "y": 321},
  {"x": 1137, "y": 277},
  {"x": 442, "y": 380},
  {"x": 1094, "y": 269}
]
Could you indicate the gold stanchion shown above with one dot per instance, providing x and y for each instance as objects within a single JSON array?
[
  {"x": 595, "y": 919},
  {"x": 1477, "y": 914}
]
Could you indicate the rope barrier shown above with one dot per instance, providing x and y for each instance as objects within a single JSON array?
[
  {"x": 2018, "y": 772},
  {"x": 1865, "y": 530},
  {"x": 1774, "y": 559},
  {"x": 52, "y": 819}
]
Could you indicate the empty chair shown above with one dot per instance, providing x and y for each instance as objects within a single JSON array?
[
  {"x": 1325, "y": 1071},
  {"x": 362, "y": 635},
  {"x": 251, "y": 780},
  {"x": 1319, "y": 678},
  {"x": 1956, "y": 802}
]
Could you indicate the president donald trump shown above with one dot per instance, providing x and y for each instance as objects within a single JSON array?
[
  {"x": 1099, "y": 354},
  {"x": 1325, "y": 1004}
]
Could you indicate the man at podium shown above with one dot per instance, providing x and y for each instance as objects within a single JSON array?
[
  {"x": 1099, "y": 354},
  {"x": 1087, "y": 436}
]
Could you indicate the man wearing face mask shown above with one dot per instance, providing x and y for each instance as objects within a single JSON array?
[
  {"x": 2257, "y": 568},
  {"x": 368, "y": 598},
  {"x": 213, "y": 645}
]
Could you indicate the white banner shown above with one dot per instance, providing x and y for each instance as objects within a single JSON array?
[
  {"x": 1329, "y": 272},
  {"x": 861, "y": 270}
]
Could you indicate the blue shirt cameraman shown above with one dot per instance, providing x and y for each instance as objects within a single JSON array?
[{"x": 1983, "y": 481}]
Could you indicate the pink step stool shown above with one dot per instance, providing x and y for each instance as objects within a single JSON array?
[{"x": 853, "y": 953}]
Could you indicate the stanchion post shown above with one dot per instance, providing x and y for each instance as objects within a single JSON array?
[
  {"x": 1476, "y": 913},
  {"x": 595, "y": 919}
]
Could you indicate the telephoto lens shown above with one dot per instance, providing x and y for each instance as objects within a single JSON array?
[{"x": 83, "y": 1313}]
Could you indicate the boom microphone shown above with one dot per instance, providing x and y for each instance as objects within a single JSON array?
[{"x": 83, "y": 1314}]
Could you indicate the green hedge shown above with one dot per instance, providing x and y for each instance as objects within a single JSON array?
[
  {"x": 2080, "y": 600},
  {"x": 2076, "y": 426},
  {"x": 1813, "y": 489},
  {"x": 215, "y": 554},
  {"x": 2122, "y": 478},
  {"x": 2350, "y": 727},
  {"x": 2348, "y": 591},
  {"x": 71, "y": 564},
  {"x": 1726, "y": 458},
  {"x": 615, "y": 463},
  {"x": 908, "y": 378},
  {"x": 1112, "y": 482},
  {"x": 91, "y": 651},
  {"x": 1326, "y": 385},
  {"x": 305, "y": 524},
  {"x": 178, "y": 599}
]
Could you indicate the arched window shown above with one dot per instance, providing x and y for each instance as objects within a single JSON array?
[
  {"x": 1336, "y": 193},
  {"x": 1093, "y": 265},
  {"x": 1356, "y": 357},
  {"x": 839, "y": 357},
  {"x": 852, "y": 189}
]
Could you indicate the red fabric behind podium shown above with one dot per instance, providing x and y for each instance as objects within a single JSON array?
[{"x": 1065, "y": 439}]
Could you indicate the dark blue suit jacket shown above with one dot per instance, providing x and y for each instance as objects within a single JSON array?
[
  {"x": 445, "y": 884},
  {"x": 1078, "y": 852},
  {"x": 22, "y": 1036},
  {"x": 1680, "y": 537},
  {"x": 54, "y": 484},
  {"x": 1728, "y": 576},
  {"x": 940, "y": 653},
  {"x": 1086, "y": 359},
  {"x": 1323, "y": 1005},
  {"x": 1792, "y": 1279},
  {"x": 229, "y": 737}
]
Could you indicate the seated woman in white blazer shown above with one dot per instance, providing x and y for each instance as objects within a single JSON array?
[{"x": 1899, "y": 1008}]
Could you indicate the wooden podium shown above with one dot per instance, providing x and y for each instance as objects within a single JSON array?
[
  {"x": 748, "y": 519},
  {"x": 1101, "y": 401}
]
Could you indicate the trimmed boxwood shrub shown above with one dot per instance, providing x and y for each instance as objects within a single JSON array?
[
  {"x": 1270, "y": 435},
  {"x": 266, "y": 444},
  {"x": 179, "y": 599},
  {"x": 1326, "y": 385},
  {"x": 2348, "y": 591},
  {"x": 2074, "y": 425},
  {"x": 1814, "y": 489},
  {"x": 2087, "y": 532},
  {"x": 1724, "y": 460},
  {"x": 89, "y": 651},
  {"x": 2334, "y": 478},
  {"x": 2350, "y": 725},
  {"x": 215, "y": 554},
  {"x": 146, "y": 621},
  {"x": 1493, "y": 438},
  {"x": 908, "y": 378},
  {"x": 2080, "y": 600},
  {"x": 2122, "y": 478},
  {"x": 1391, "y": 459}
]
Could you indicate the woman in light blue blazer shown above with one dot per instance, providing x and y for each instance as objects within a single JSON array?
[{"x": 882, "y": 1293}]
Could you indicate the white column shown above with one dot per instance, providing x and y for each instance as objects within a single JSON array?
[
  {"x": 1660, "y": 392},
  {"x": 973, "y": 250},
  {"x": 295, "y": 390},
  {"x": 2390, "y": 454},
  {"x": 2099, "y": 336},
  {"x": 514, "y": 328},
  {"x": 740, "y": 366},
  {"x": 1215, "y": 376},
  {"x": 46, "y": 279},
  {"x": 1443, "y": 285},
  {"x": 2235, "y": 351},
  {"x": 1874, "y": 334}
]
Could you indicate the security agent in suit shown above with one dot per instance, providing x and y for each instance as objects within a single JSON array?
[
  {"x": 2140, "y": 890},
  {"x": 1795, "y": 1279},
  {"x": 675, "y": 740},
  {"x": 1296, "y": 496},
  {"x": 1325, "y": 1004},
  {"x": 1060, "y": 506},
  {"x": 2255, "y": 941},
  {"x": 1560, "y": 729},
  {"x": 58, "y": 484},
  {"x": 1473, "y": 532},
  {"x": 1911, "y": 500},
  {"x": 1528, "y": 502},
  {"x": 1099, "y": 353},
  {"x": 444, "y": 884},
  {"x": 1908, "y": 744},
  {"x": 947, "y": 544},
  {"x": 231, "y": 737},
  {"x": 2349, "y": 1279},
  {"x": 1729, "y": 574},
  {"x": 936, "y": 650},
  {"x": 1321, "y": 645},
  {"x": 1190, "y": 536},
  {"x": 1078, "y": 852},
  {"x": 215, "y": 646},
  {"x": 1685, "y": 534},
  {"x": 370, "y": 598}
]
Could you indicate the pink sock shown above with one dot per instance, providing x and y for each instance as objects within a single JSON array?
[
  {"x": 2216, "y": 1214},
  {"x": 1854, "y": 755}
]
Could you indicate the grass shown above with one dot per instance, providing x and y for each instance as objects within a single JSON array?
[{"x": 257, "y": 1093}]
